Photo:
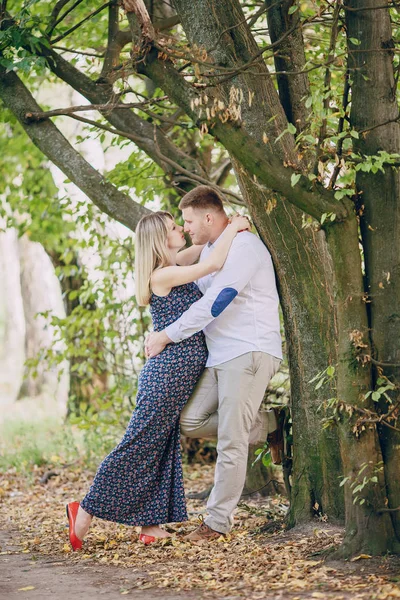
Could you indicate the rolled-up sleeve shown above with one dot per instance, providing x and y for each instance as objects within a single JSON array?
[{"x": 240, "y": 266}]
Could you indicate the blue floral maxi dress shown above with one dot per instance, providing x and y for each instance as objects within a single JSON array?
[{"x": 140, "y": 482}]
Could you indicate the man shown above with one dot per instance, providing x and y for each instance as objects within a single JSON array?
[{"x": 239, "y": 316}]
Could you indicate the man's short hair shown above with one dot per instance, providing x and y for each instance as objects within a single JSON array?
[{"x": 202, "y": 197}]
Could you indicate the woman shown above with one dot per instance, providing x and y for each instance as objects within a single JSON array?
[{"x": 140, "y": 482}]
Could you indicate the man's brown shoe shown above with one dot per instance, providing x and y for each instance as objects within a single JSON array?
[
  {"x": 203, "y": 533},
  {"x": 275, "y": 438}
]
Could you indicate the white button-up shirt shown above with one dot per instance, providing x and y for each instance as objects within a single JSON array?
[{"x": 239, "y": 309}]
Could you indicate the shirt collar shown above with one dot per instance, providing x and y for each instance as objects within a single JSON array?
[{"x": 211, "y": 245}]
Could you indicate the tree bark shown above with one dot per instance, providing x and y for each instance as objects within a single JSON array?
[
  {"x": 363, "y": 520},
  {"x": 374, "y": 107},
  {"x": 289, "y": 56}
]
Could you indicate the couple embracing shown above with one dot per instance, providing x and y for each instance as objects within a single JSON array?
[{"x": 215, "y": 346}]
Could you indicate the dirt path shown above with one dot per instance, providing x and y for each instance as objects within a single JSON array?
[{"x": 37, "y": 577}]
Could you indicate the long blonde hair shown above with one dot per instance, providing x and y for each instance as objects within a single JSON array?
[{"x": 151, "y": 251}]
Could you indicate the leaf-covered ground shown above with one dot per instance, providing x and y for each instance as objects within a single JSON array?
[{"x": 258, "y": 560}]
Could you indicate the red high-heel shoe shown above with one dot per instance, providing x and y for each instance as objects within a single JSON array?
[
  {"x": 72, "y": 511},
  {"x": 147, "y": 539}
]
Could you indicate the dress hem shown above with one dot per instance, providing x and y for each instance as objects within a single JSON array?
[{"x": 136, "y": 522}]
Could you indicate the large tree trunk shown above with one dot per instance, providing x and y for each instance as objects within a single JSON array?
[
  {"x": 374, "y": 107},
  {"x": 367, "y": 530}
]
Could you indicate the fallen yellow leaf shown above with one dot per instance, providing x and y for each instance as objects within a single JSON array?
[
  {"x": 27, "y": 588},
  {"x": 360, "y": 556}
]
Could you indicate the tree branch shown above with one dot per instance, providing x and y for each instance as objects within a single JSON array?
[
  {"x": 69, "y": 31},
  {"x": 339, "y": 148},
  {"x": 138, "y": 8},
  {"x": 262, "y": 161},
  {"x": 55, "y": 19},
  {"x": 290, "y": 62},
  {"x": 112, "y": 53},
  {"x": 103, "y": 108},
  {"x": 382, "y": 510},
  {"x": 153, "y": 141},
  {"x": 327, "y": 82},
  {"x": 81, "y": 52},
  {"x": 56, "y": 147},
  {"x": 163, "y": 159}
]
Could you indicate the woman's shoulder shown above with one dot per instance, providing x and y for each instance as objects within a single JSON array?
[{"x": 177, "y": 290}]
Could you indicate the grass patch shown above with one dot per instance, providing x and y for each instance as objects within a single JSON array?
[{"x": 48, "y": 442}]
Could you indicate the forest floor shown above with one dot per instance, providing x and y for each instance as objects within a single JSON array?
[{"x": 260, "y": 559}]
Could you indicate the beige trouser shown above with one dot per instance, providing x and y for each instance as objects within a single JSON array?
[{"x": 225, "y": 405}]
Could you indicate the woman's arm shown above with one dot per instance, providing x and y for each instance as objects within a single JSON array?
[
  {"x": 164, "y": 279},
  {"x": 189, "y": 256}
]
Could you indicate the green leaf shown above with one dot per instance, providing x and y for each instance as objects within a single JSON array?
[
  {"x": 330, "y": 371},
  {"x": 354, "y": 41},
  {"x": 295, "y": 178},
  {"x": 365, "y": 465},
  {"x": 292, "y": 9},
  {"x": 308, "y": 104},
  {"x": 266, "y": 460},
  {"x": 323, "y": 218},
  {"x": 291, "y": 128},
  {"x": 376, "y": 396}
]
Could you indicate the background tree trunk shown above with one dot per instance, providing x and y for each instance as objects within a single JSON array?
[
  {"x": 12, "y": 320},
  {"x": 41, "y": 293},
  {"x": 261, "y": 479}
]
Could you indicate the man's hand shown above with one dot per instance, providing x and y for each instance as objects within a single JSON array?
[
  {"x": 155, "y": 343},
  {"x": 242, "y": 221}
]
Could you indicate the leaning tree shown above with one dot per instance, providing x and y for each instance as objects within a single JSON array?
[{"x": 298, "y": 100}]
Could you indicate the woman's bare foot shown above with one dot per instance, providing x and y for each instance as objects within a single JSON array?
[
  {"x": 82, "y": 523},
  {"x": 155, "y": 531}
]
